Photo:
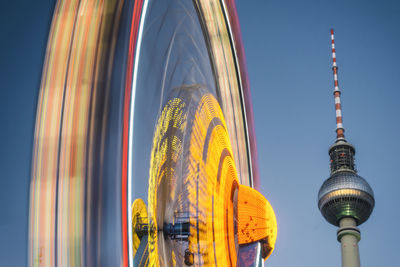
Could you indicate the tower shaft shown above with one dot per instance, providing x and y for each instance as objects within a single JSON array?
[{"x": 348, "y": 235}]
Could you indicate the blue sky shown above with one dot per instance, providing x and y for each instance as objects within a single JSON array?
[
  {"x": 287, "y": 44},
  {"x": 24, "y": 26}
]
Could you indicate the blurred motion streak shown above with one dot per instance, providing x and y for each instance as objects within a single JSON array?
[
  {"x": 69, "y": 132},
  {"x": 146, "y": 100}
]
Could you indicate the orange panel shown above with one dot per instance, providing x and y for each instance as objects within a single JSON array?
[{"x": 256, "y": 219}]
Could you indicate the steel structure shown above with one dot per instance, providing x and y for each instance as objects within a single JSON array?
[{"x": 345, "y": 199}]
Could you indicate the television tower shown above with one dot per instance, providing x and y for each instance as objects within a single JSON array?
[{"x": 345, "y": 199}]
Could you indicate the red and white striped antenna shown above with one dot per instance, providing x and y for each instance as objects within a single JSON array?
[{"x": 336, "y": 93}]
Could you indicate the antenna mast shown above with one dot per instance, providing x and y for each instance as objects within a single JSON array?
[{"x": 336, "y": 93}]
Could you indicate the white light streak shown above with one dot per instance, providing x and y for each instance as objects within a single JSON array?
[{"x": 131, "y": 119}]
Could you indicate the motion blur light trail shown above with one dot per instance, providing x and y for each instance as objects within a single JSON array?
[
  {"x": 227, "y": 79},
  {"x": 165, "y": 196},
  {"x": 116, "y": 73},
  {"x": 193, "y": 180},
  {"x": 69, "y": 129},
  {"x": 212, "y": 184}
]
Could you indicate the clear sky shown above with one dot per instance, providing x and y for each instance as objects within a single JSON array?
[
  {"x": 287, "y": 45},
  {"x": 24, "y": 26},
  {"x": 288, "y": 51}
]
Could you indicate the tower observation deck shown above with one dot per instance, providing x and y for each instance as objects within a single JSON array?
[{"x": 345, "y": 199}]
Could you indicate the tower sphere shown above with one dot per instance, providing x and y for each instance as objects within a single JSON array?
[{"x": 345, "y": 194}]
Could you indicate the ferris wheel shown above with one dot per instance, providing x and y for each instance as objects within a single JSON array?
[{"x": 144, "y": 151}]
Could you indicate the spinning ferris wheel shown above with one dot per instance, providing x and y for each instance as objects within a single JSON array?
[{"x": 144, "y": 150}]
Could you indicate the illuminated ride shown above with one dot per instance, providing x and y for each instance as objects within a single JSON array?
[
  {"x": 198, "y": 211},
  {"x": 144, "y": 150}
]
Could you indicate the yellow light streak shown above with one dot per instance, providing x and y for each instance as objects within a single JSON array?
[{"x": 200, "y": 178}]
